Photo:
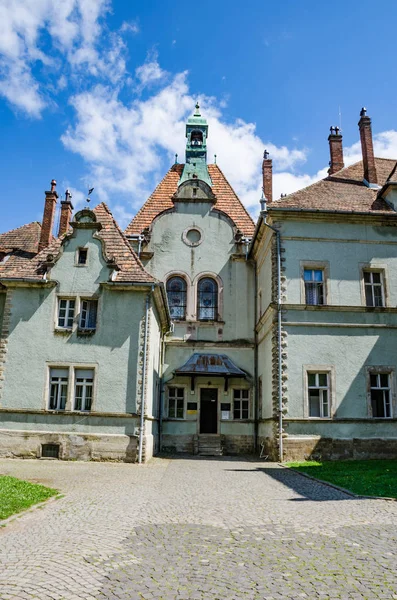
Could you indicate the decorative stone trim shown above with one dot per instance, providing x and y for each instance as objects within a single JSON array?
[
  {"x": 142, "y": 386},
  {"x": 4, "y": 333},
  {"x": 284, "y": 342}
]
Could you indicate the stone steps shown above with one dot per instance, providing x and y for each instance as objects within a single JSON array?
[{"x": 209, "y": 445}]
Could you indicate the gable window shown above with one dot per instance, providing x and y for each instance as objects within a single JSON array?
[
  {"x": 176, "y": 402},
  {"x": 318, "y": 394},
  {"x": 314, "y": 286},
  {"x": 84, "y": 381},
  {"x": 373, "y": 285},
  {"x": 240, "y": 404},
  {"x": 88, "y": 314},
  {"x": 82, "y": 256},
  {"x": 207, "y": 300},
  {"x": 176, "y": 294},
  {"x": 380, "y": 390},
  {"x": 58, "y": 388},
  {"x": 66, "y": 307}
]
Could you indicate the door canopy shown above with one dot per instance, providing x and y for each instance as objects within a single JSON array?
[{"x": 204, "y": 365}]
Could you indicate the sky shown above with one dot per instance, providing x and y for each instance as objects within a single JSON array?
[{"x": 96, "y": 93}]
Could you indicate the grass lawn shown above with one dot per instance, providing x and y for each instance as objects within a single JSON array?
[
  {"x": 17, "y": 495},
  {"x": 363, "y": 477}
]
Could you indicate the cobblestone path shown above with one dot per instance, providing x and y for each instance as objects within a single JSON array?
[{"x": 191, "y": 528}]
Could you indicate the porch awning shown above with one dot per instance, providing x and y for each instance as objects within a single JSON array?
[{"x": 217, "y": 365}]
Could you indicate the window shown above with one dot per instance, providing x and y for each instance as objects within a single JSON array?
[
  {"x": 318, "y": 394},
  {"x": 380, "y": 395},
  {"x": 58, "y": 388},
  {"x": 314, "y": 286},
  {"x": 84, "y": 381},
  {"x": 176, "y": 402},
  {"x": 207, "y": 300},
  {"x": 82, "y": 256},
  {"x": 240, "y": 404},
  {"x": 66, "y": 312},
  {"x": 196, "y": 138},
  {"x": 88, "y": 314},
  {"x": 176, "y": 293},
  {"x": 373, "y": 286}
]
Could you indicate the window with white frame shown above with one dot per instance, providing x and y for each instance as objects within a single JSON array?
[
  {"x": 240, "y": 404},
  {"x": 83, "y": 388},
  {"x": 66, "y": 308},
  {"x": 176, "y": 402},
  {"x": 314, "y": 286},
  {"x": 318, "y": 394},
  {"x": 380, "y": 391},
  {"x": 373, "y": 287},
  {"x": 88, "y": 314},
  {"x": 59, "y": 379}
]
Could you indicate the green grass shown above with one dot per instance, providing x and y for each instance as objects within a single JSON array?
[
  {"x": 363, "y": 477},
  {"x": 17, "y": 495}
]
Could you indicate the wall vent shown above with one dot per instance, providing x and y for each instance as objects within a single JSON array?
[{"x": 50, "y": 450}]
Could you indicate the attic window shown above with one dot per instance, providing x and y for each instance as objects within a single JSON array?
[{"x": 82, "y": 256}]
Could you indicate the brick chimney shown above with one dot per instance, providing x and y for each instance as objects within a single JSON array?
[
  {"x": 367, "y": 148},
  {"x": 267, "y": 174},
  {"x": 48, "y": 216},
  {"x": 66, "y": 214},
  {"x": 336, "y": 151}
]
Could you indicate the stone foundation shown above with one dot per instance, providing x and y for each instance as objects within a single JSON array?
[
  {"x": 174, "y": 444},
  {"x": 318, "y": 448},
  {"x": 72, "y": 446},
  {"x": 238, "y": 444}
]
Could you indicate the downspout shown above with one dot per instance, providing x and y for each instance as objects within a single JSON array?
[
  {"x": 143, "y": 393},
  {"x": 280, "y": 391}
]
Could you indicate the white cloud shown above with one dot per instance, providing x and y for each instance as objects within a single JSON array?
[
  {"x": 128, "y": 148},
  {"x": 131, "y": 26},
  {"x": 76, "y": 37},
  {"x": 149, "y": 72}
]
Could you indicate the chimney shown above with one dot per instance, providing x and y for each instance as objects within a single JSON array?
[
  {"x": 267, "y": 174},
  {"x": 336, "y": 151},
  {"x": 367, "y": 148},
  {"x": 66, "y": 214},
  {"x": 48, "y": 216}
]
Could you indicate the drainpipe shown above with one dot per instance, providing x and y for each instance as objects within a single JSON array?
[
  {"x": 143, "y": 394},
  {"x": 280, "y": 394}
]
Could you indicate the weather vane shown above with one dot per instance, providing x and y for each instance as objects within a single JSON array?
[{"x": 90, "y": 190}]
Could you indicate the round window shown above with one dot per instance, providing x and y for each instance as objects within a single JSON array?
[{"x": 192, "y": 236}]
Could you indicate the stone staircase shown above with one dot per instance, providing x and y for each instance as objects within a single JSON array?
[{"x": 209, "y": 445}]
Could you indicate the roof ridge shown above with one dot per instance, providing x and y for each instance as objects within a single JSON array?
[
  {"x": 215, "y": 166},
  {"x": 21, "y": 227},
  {"x": 123, "y": 237}
]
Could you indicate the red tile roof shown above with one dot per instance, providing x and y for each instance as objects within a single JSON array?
[
  {"x": 24, "y": 238},
  {"x": 343, "y": 191},
  {"x": 129, "y": 267},
  {"x": 161, "y": 200}
]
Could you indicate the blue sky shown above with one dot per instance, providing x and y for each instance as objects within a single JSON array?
[{"x": 96, "y": 93}]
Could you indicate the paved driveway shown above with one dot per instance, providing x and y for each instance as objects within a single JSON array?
[{"x": 193, "y": 528}]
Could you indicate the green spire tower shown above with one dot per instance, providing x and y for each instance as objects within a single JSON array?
[{"x": 196, "y": 149}]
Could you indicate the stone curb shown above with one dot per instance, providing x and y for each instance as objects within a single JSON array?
[
  {"x": 32, "y": 508},
  {"x": 338, "y": 487}
]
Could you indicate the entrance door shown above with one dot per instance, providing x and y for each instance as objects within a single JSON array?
[{"x": 209, "y": 411}]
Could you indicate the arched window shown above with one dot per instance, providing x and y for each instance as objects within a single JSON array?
[
  {"x": 176, "y": 293},
  {"x": 196, "y": 139},
  {"x": 207, "y": 300}
]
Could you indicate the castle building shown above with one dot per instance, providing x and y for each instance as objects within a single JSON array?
[{"x": 196, "y": 330}]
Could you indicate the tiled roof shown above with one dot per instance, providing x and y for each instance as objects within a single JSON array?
[
  {"x": 130, "y": 268},
  {"x": 342, "y": 191},
  {"x": 161, "y": 200},
  {"x": 24, "y": 238}
]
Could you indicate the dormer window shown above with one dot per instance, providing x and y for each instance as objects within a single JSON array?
[
  {"x": 196, "y": 138},
  {"x": 82, "y": 256}
]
